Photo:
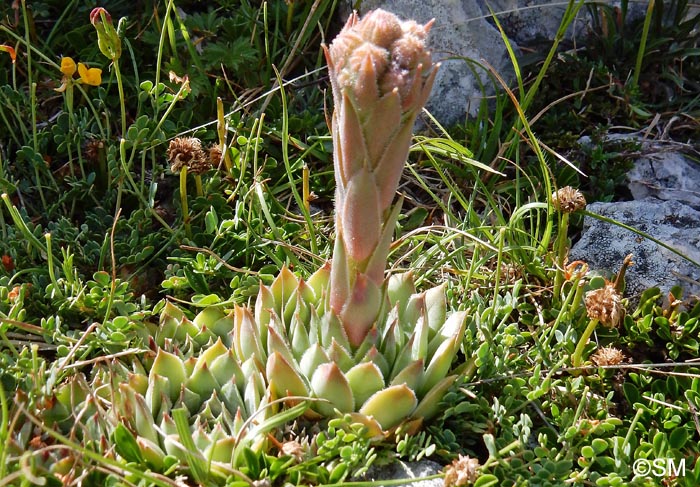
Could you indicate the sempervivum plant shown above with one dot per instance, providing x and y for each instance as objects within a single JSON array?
[{"x": 346, "y": 341}]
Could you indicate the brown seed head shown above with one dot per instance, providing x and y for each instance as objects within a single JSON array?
[
  {"x": 462, "y": 471},
  {"x": 607, "y": 356},
  {"x": 294, "y": 449},
  {"x": 604, "y": 305},
  {"x": 568, "y": 200},
  {"x": 93, "y": 147},
  {"x": 215, "y": 155},
  {"x": 187, "y": 151}
]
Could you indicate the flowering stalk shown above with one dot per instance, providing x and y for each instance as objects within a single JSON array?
[
  {"x": 604, "y": 306},
  {"x": 566, "y": 200},
  {"x": 381, "y": 75},
  {"x": 110, "y": 45},
  {"x": 186, "y": 155}
]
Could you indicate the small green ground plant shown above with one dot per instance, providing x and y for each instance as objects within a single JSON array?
[{"x": 195, "y": 175}]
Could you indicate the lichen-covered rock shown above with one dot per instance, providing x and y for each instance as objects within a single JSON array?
[
  {"x": 667, "y": 176},
  {"x": 605, "y": 245}
]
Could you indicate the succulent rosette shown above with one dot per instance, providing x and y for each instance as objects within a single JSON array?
[{"x": 345, "y": 341}]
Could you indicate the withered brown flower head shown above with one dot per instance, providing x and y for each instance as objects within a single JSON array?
[
  {"x": 604, "y": 305},
  {"x": 462, "y": 471},
  {"x": 215, "y": 155},
  {"x": 187, "y": 151},
  {"x": 607, "y": 356},
  {"x": 568, "y": 200},
  {"x": 93, "y": 147},
  {"x": 294, "y": 449}
]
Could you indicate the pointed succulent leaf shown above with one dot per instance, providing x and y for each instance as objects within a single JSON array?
[
  {"x": 329, "y": 383},
  {"x": 429, "y": 405},
  {"x": 414, "y": 309},
  {"x": 377, "y": 262},
  {"x": 151, "y": 453},
  {"x": 125, "y": 444},
  {"x": 254, "y": 393},
  {"x": 392, "y": 162},
  {"x": 138, "y": 382},
  {"x": 190, "y": 400},
  {"x": 158, "y": 394},
  {"x": 277, "y": 340},
  {"x": 208, "y": 316},
  {"x": 223, "y": 328},
  {"x": 436, "y": 306},
  {"x": 247, "y": 341},
  {"x": 170, "y": 366},
  {"x": 299, "y": 336},
  {"x": 384, "y": 119},
  {"x": 454, "y": 326},
  {"x": 373, "y": 355},
  {"x": 360, "y": 312},
  {"x": 210, "y": 354},
  {"x": 319, "y": 282},
  {"x": 225, "y": 367},
  {"x": 365, "y": 379},
  {"x": 390, "y": 406},
  {"x": 231, "y": 395},
  {"x": 202, "y": 382},
  {"x": 440, "y": 364},
  {"x": 143, "y": 419},
  {"x": 359, "y": 221},
  {"x": 211, "y": 408},
  {"x": 221, "y": 450},
  {"x": 283, "y": 379},
  {"x": 420, "y": 342},
  {"x": 411, "y": 375},
  {"x": 264, "y": 304},
  {"x": 312, "y": 359},
  {"x": 283, "y": 288},
  {"x": 400, "y": 288},
  {"x": 340, "y": 356},
  {"x": 405, "y": 356},
  {"x": 332, "y": 329}
]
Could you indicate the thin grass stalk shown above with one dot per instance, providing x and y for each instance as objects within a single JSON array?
[
  {"x": 302, "y": 202},
  {"x": 4, "y": 431},
  {"x": 161, "y": 43},
  {"x": 120, "y": 89},
  {"x": 643, "y": 44},
  {"x": 183, "y": 201}
]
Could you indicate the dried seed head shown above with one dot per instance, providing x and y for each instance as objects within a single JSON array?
[
  {"x": 294, "y": 449},
  {"x": 215, "y": 155},
  {"x": 604, "y": 305},
  {"x": 93, "y": 148},
  {"x": 187, "y": 151},
  {"x": 568, "y": 200},
  {"x": 462, "y": 471},
  {"x": 607, "y": 356}
]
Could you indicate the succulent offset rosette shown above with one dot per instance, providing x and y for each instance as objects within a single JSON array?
[{"x": 381, "y": 75}]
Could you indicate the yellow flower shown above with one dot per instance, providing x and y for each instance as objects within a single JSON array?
[
  {"x": 10, "y": 50},
  {"x": 90, "y": 76},
  {"x": 67, "y": 66}
]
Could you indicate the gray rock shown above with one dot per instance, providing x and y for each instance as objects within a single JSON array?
[
  {"x": 605, "y": 245},
  {"x": 465, "y": 34},
  {"x": 407, "y": 470},
  {"x": 667, "y": 176}
]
